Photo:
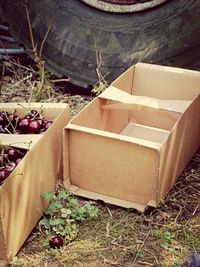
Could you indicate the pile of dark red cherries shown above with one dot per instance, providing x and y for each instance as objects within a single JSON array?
[
  {"x": 9, "y": 159},
  {"x": 10, "y": 123},
  {"x": 30, "y": 123}
]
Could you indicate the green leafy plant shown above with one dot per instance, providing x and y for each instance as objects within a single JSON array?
[
  {"x": 63, "y": 215},
  {"x": 18, "y": 262},
  {"x": 167, "y": 239},
  {"x": 99, "y": 88}
]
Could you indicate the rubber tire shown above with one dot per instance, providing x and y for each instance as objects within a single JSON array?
[{"x": 168, "y": 34}]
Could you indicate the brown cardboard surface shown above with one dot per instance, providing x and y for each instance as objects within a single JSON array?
[
  {"x": 124, "y": 81},
  {"x": 25, "y": 141},
  {"x": 160, "y": 82},
  {"x": 113, "y": 93},
  {"x": 180, "y": 147},
  {"x": 145, "y": 132},
  {"x": 107, "y": 199},
  {"x": 104, "y": 174},
  {"x": 132, "y": 142},
  {"x": 21, "y": 204}
]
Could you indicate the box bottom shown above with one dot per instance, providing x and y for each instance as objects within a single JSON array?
[
  {"x": 107, "y": 199},
  {"x": 144, "y": 132}
]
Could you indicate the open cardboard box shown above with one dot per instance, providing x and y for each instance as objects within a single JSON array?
[
  {"x": 131, "y": 143},
  {"x": 21, "y": 203}
]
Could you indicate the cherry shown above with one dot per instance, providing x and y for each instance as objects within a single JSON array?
[
  {"x": 2, "y": 120},
  {"x": 40, "y": 122},
  {"x": 23, "y": 125},
  {"x": 17, "y": 161},
  {"x": 56, "y": 242},
  {"x": 47, "y": 124},
  {"x": 18, "y": 132},
  {"x": 11, "y": 124},
  {"x": 27, "y": 117},
  {"x": 13, "y": 118},
  {"x": 34, "y": 114},
  {"x": 2, "y": 129},
  {"x": 31, "y": 123},
  {"x": 34, "y": 127},
  {"x": 12, "y": 154},
  {"x": 10, "y": 166},
  {"x": 3, "y": 174}
]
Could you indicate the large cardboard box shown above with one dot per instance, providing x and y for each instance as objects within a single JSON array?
[
  {"x": 21, "y": 203},
  {"x": 131, "y": 143}
]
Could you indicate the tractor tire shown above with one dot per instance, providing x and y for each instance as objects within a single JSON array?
[{"x": 83, "y": 41}]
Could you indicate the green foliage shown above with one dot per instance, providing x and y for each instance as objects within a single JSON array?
[
  {"x": 166, "y": 240},
  {"x": 18, "y": 262},
  {"x": 63, "y": 215},
  {"x": 99, "y": 88}
]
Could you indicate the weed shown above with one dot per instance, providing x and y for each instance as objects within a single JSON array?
[
  {"x": 63, "y": 215},
  {"x": 18, "y": 262},
  {"x": 99, "y": 88},
  {"x": 43, "y": 87},
  {"x": 102, "y": 84}
]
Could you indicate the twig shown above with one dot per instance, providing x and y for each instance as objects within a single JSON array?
[
  {"x": 43, "y": 41},
  {"x": 30, "y": 30},
  {"x": 107, "y": 229},
  {"x": 22, "y": 67},
  {"x": 60, "y": 80},
  {"x": 179, "y": 213},
  {"x": 156, "y": 260},
  {"x": 99, "y": 63},
  {"x": 141, "y": 247},
  {"x": 1, "y": 81},
  {"x": 32, "y": 89},
  {"x": 195, "y": 210},
  {"x": 109, "y": 211},
  {"x": 19, "y": 82}
]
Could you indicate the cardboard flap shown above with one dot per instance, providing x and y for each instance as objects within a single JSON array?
[
  {"x": 25, "y": 141},
  {"x": 124, "y": 98}
]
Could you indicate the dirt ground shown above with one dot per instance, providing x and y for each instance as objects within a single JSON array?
[{"x": 164, "y": 236}]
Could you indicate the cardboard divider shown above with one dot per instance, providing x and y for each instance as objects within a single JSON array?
[
  {"x": 112, "y": 117},
  {"x": 115, "y": 94}
]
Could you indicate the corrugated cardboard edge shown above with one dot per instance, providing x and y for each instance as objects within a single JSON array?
[
  {"x": 134, "y": 140},
  {"x": 107, "y": 199},
  {"x": 3, "y": 249},
  {"x": 25, "y": 141}
]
